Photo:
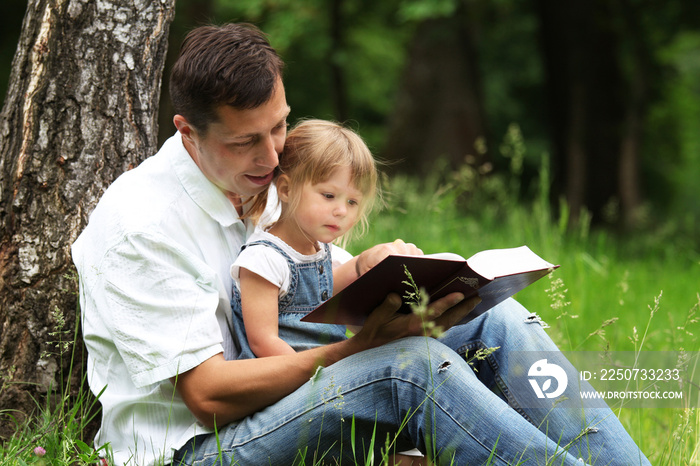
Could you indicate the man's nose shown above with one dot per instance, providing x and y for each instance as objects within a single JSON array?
[{"x": 270, "y": 151}]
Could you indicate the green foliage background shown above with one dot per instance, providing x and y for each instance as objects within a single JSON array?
[
  {"x": 374, "y": 52},
  {"x": 372, "y": 55}
]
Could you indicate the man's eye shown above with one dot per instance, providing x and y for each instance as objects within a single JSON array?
[
  {"x": 280, "y": 128},
  {"x": 243, "y": 143}
]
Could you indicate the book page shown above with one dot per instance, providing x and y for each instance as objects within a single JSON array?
[
  {"x": 499, "y": 262},
  {"x": 448, "y": 256}
]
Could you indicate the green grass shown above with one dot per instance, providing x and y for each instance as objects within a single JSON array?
[
  {"x": 608, "y": 282},
  {"x": 56, "y": 434},
  {"x": 603, "y": 277}
]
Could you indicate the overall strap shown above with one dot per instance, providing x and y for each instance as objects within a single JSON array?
[
  {"x": 291, "y": 265},
  {"x": 270, "y": 244}
]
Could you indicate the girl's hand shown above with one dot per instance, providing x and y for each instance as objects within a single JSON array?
[
  {"x": 374, "y": 255},
  {"x": 350, "y": 271}
]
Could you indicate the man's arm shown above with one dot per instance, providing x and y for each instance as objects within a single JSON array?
[{"x": 220, "y": 391}]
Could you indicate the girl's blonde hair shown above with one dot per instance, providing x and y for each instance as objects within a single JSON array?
[{"x": 313, "y": 150}]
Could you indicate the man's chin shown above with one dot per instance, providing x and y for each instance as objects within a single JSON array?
[
  {"x": 253, "y": 190},
  {"x": 243, "y": 192}
]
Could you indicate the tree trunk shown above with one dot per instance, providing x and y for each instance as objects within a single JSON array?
[
  {"x": 335, "y": 61},
  {"x": 80, "y": 109},
  {"x": 584, "y": 87},
  {"x": 439, "y": 112},
  {"x": 642, "y": 72}
]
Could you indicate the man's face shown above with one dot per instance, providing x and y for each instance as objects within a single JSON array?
[{"x": 240, "y": 150}]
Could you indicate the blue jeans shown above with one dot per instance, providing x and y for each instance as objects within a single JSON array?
[{"x": 421, "y": 392}]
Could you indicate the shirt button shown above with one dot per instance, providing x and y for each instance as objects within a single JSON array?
[{"x": 324, "y": 295}]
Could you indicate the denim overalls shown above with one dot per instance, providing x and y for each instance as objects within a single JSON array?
[{"x": 310, "y": 284}]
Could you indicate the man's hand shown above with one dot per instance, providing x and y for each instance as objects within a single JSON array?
[
  {"x": 374, "y": 255},
  {"x": 219, "y": 391},
  {"x": 384, "y": 324}
]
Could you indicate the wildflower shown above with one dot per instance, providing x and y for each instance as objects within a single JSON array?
[
  {"x": 418, "y": 299},
  {"x": 39, "y": 451}
]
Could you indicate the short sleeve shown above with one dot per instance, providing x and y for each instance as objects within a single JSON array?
[
  {"x": 339, "y": 255},
  {"x": 266, "y": 262},
  {"x": 161, "y": 304}
]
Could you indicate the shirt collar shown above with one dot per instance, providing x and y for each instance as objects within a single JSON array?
[{"x": 202, "y": 191}]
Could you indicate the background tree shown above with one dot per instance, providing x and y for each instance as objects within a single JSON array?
[
  {"x": 439, "y": 109},
  {"x": 585, "y": 99},
  {"x": 80, "y": 109}
]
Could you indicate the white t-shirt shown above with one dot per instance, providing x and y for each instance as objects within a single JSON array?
[
  {"x": 155, "y": 293},
  {"x": 272, "y": 266}
]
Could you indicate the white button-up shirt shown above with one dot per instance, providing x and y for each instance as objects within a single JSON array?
[{"x": 155, "y": 295}]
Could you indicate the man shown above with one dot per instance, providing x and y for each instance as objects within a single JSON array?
[{"x": 155, "y": 290}]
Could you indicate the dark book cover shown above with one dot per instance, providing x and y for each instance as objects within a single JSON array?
[{"x": 494, "y": 275}]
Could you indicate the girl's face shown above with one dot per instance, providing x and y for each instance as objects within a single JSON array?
[{"x": 327, "y": 210}]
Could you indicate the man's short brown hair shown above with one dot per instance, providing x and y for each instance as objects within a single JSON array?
[{"x": 233, "y": 64}]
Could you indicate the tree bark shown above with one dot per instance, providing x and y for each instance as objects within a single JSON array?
[{"x": 80, "y": 109}]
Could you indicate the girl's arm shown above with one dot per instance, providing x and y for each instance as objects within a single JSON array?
[
  {"x": 345, "y": 274},
  {"x": 350, "y": 271},
  {"x": 259, "y": 302}
]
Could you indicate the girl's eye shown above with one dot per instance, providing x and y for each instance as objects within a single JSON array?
[
  {"x": 328, "y": 195},
  {"x": 352, "y": 202}
]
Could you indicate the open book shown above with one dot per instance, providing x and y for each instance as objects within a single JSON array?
[{"x": 494, "y": 275}]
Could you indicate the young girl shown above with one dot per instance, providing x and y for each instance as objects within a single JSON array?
[{"x": 326, "y": 184}]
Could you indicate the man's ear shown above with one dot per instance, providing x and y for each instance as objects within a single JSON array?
[
  {"x": 184, "y": 128},
  {"x": 283, "y": 187}
]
